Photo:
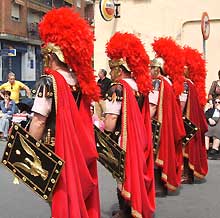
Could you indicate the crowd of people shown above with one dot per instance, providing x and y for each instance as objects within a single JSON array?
[
  {"x": 10, "y": 104},
  {"x": 212, "y": 113},
  {"x": 167, "y": 90}
]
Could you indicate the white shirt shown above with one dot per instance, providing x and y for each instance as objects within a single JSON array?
[
  {"x": 43, "y": 105},
  {"x": 114, "y": 107},
  {"x": 216, "y": 113}
]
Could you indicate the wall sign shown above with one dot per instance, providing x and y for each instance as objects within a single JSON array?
[
  {"x": 205, "y": 26},
  {"x": 107, "y": 9}
]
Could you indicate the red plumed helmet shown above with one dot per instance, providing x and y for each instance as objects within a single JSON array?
[
  {"x": 171, "y": 53},
  {"x": 128, "y": 48},
  {"x": 65, "y": 28},
  {"x": 197, "y": 71}
]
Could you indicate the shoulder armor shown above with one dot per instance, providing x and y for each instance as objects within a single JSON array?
[
  {"x": 156, "y": 84},
  {"x": 140, "y": 99},
  {"x": 186, "y": 88},
  {"x": 115, "y": 92},
  {"x": 44, "y": 87}
]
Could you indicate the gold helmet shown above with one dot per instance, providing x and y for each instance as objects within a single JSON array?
[
  {"x": 158, "y": 62},
  {"x": 127, "y": 50},
  {"x": 68, "y": 36}
]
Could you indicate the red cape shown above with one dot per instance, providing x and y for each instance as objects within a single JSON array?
[
  {"x": 136, "y": 140},
  {"x": 169, "y": 156},
  {"x": 195, "y": 150},
  {"x": 76, "y": 193}
]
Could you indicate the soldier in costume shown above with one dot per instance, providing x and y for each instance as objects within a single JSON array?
[
  {"x": 127, "y": 121},
  {"x": 165, "y": 109},
  {"x": 62, "y": 107},
  {"x": 193, "y": 101}
]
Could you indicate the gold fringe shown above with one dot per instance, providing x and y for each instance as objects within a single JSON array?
[
  {"x": 169, "y": 186},
  {"x": 125, "y": 193},
  {"x": 195, "y": 172},
  {"x": 160, "y": 110},
  {"x": 158, "y": 161},
  {"x": 164, "y": 176},
  {"x": 135, "y": 213},
  {"x": 124, "y": 127},
  {"x": 55, "y": 91}
]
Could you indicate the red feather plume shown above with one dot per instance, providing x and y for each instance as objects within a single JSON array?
[
  {"x": 66, "y": 29},
  {"x": 171, "y": 53},
  {"x": 197, "y": 71},
  {"x": 130, "y": 48}
]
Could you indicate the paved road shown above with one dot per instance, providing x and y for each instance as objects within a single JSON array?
[{"x": 194, "y": 201}]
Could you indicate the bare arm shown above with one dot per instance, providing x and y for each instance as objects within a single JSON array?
[
  {"x": 110, "y": 122},
  {"x": 28, "y": 91},
  {"x": 37, "y": 126},
  {"x": 209, "y": 97},
  {"x": 1, "y": 89},
  {"x": 182, "y": 104},
  {"x": 153, "y": 109}
]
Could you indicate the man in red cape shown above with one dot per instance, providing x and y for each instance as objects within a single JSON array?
[
  {"x": 63, "y": 101},
  {"x": 123, "y": 115},
  {"x": 194, "y": 152},
  {"x": 165, "y": 109}
]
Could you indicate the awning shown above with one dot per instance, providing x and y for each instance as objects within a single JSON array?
[{"x": 20, "y": 2}]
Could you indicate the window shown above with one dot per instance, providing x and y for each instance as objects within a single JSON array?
[
  {"x": 20, "y": 2},
  {"x": 70, "y": 2},
  {"x": 15, "y": 12},
  {"x": 48, "y": 3}
]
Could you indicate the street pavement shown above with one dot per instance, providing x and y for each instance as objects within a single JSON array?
[{"x": 200, "y": 200}]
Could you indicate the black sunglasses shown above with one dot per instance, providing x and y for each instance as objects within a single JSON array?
[{"x": 217, "y": 102}]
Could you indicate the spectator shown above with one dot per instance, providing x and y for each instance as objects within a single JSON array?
[
  {"x": 212, "y": 116},
  {"x": 14, "y": 86},
  {"x": 104, "y": 84},
  {"x": 8, "y": 108},
  {"x": 214, "y": 90}
]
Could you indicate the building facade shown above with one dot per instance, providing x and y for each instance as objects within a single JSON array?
[
  {"x": 155, "y": 18},
  {"x": 19, "y": 31}
]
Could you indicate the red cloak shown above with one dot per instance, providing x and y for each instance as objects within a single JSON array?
[
  {"x": 76, "y": 193},
  {"x": 195, "y": 150},
  {"x": 138, "y": 187},
  {"x": 169, "y": 156}
]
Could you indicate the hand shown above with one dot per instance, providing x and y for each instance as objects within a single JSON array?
[{"x": 211, "y": 122}]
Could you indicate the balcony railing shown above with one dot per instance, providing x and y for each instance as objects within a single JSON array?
[
  {"x": 32, "y": 29},
  {"x": 47, "y": 3}
]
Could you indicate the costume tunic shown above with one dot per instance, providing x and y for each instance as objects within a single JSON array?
[
  {"x": 135, "y": 138},
  {"x": 76, "y": 193},
  {"x": 169, "y": 152},
  {"x": 195, "y": 150}
]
